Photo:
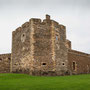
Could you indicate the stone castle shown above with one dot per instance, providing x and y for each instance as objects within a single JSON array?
[{"x": 41, "y": 48}]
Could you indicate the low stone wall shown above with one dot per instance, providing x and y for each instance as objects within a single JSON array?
[
  {"x": 79, "y": 63},
  {"x": 5, "y": 63}
]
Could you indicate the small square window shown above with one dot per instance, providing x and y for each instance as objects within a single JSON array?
[
  {"x": 9, "y": 58},
  {"x": 43, "y": 63},
  {"x": 63, "y": 64}
]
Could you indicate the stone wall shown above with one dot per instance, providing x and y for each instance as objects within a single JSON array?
[
  {"x": 79, "y": 62},
  {"x": 49, "y": 47},
  {"x": 39, "y": 48},
  {"x": 43, "y": 62},
  {"x": 68, "y": 44},
  {"x": 5, "y": 63},
  {"x": 60, "y": 57},
  {"x": 21, "y": 49}
]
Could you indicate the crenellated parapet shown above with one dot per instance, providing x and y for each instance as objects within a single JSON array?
[{"x": 68, "y": 44}]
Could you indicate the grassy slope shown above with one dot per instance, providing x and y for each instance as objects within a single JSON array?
[{"x": 26, "y": 82}]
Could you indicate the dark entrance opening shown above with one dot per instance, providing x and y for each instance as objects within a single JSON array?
[{"x": 74, "y": 66}]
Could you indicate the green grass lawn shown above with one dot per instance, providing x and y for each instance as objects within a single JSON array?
[{"x": 26, "y": 82}]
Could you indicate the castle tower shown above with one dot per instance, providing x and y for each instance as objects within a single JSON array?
[{"x": 39, "y": 48}]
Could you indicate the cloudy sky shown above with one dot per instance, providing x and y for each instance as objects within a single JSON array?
[{"x": 74, "y": 14}]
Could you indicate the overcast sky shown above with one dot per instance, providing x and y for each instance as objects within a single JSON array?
[{"x": 74, "y": 14}]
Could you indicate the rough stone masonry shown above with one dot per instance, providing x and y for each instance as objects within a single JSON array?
[{"x": 41, "y": 48}]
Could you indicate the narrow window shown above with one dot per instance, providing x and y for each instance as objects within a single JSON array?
[
  {"x": 23, "y": 37},
  {"x": 56, "y": 37},
  {"x": 0, "y": 59},
  {"x": 87, "y": 68},
  {"x": 74, "y": 66}
]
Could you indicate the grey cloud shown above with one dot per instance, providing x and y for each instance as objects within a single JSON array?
[{"x": 79, "y": 3}]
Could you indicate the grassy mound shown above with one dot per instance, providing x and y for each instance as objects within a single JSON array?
[{"x": 26, "y": 82}]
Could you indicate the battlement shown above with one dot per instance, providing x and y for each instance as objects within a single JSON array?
[
  {"x": 47, "y": 17},
  {"x": 26, "y": 24},
  {"x": 68, "y": 44},
  {"x": 62, "y": 27},
  {"x": 35, "y": 21},
  {"x": 5, "y": 55}
]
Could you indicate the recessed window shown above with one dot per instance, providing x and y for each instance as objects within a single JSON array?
[
  {"x": 74, "y": 66},
  {"x": 43, "y": 63},
  {"x": 8, "y": 58},
  {"x": 0, "y": 59},
  {"x": 23, "y": 37},
  {"x": 63, "y": 63},
  {"x": 56, "y": 37}
]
